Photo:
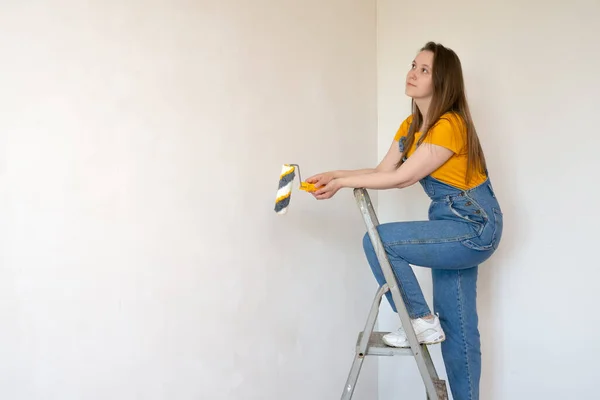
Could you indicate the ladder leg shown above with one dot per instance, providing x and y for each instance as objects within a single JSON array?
[
  {"x": 361, "y": 347},
  {"x": 435, "y": 388}
]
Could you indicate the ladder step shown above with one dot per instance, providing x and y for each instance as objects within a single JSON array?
[{"x": 377, "y": 347}]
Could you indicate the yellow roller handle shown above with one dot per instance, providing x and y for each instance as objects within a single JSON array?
[{"x": 308, "y": 187}]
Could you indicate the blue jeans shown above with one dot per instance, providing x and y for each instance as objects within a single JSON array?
[{"x": 464, "y": 230}]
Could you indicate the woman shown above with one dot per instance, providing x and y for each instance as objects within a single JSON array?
[{"x": 437, "y": 146}]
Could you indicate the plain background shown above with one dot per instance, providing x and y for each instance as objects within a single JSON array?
[
  {"x": 142, "y": 144},
  {"x": 531, "y": 71},
  {"x": 140, "y": 147}
]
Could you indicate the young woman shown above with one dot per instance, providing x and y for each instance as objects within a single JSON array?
[{"x": 437, "y": 146}]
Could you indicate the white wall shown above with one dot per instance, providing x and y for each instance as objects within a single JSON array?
[
  {"x": 534, "y": 89},
  {"x": 141, "y": 145}
]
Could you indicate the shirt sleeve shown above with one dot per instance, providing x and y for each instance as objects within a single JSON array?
[
  {"x": 448, "y": 132},
  {"x": 403, "y": 129}
]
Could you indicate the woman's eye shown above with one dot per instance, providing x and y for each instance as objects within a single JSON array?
[{"x": 425, "y": 70}]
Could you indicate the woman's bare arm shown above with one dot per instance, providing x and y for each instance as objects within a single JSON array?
[{"x": 425, "y": 160}]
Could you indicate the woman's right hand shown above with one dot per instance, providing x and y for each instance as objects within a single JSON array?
[{"x": 321, "y": 179}]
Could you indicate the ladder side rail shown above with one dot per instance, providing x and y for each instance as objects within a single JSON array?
[
  {"x": 362, "y": 345},
  {"x": 420, "y": 352}
]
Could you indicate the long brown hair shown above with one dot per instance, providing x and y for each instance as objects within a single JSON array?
[{"x": 448, "y": 96}]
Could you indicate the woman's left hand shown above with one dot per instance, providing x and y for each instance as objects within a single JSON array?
[{"x": 327, "y": 191}]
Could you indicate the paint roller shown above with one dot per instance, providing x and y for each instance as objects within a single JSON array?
[{"x": 284, "y": 191}]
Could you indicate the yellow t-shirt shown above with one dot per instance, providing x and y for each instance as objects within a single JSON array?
[{"x": 449, "y": 132}]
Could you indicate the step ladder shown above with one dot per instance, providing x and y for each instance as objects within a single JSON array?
[{"x": 370, "y": 343}]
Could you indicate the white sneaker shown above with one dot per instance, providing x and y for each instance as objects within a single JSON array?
[{"x": 428, "y": 332}]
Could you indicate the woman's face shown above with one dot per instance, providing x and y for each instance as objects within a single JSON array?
[{"x": 419, "y": 80}]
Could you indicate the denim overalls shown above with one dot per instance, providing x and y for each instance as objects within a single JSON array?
[
  {"x": 478, "y": 207},
  {"x": 464, "y": 229}
]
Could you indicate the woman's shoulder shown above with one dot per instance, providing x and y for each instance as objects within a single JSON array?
[
  {"x": 450, "y": 124},
  {"x": 447, "y": 120},
  {"x": 451, "y": 119}
]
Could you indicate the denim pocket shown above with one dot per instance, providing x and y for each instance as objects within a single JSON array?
[
  {"x": 497, "y": 226},
  {"x": 469, "y": 210}
]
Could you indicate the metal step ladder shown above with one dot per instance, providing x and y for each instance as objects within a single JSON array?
[{"x": 370, "y": 343}]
